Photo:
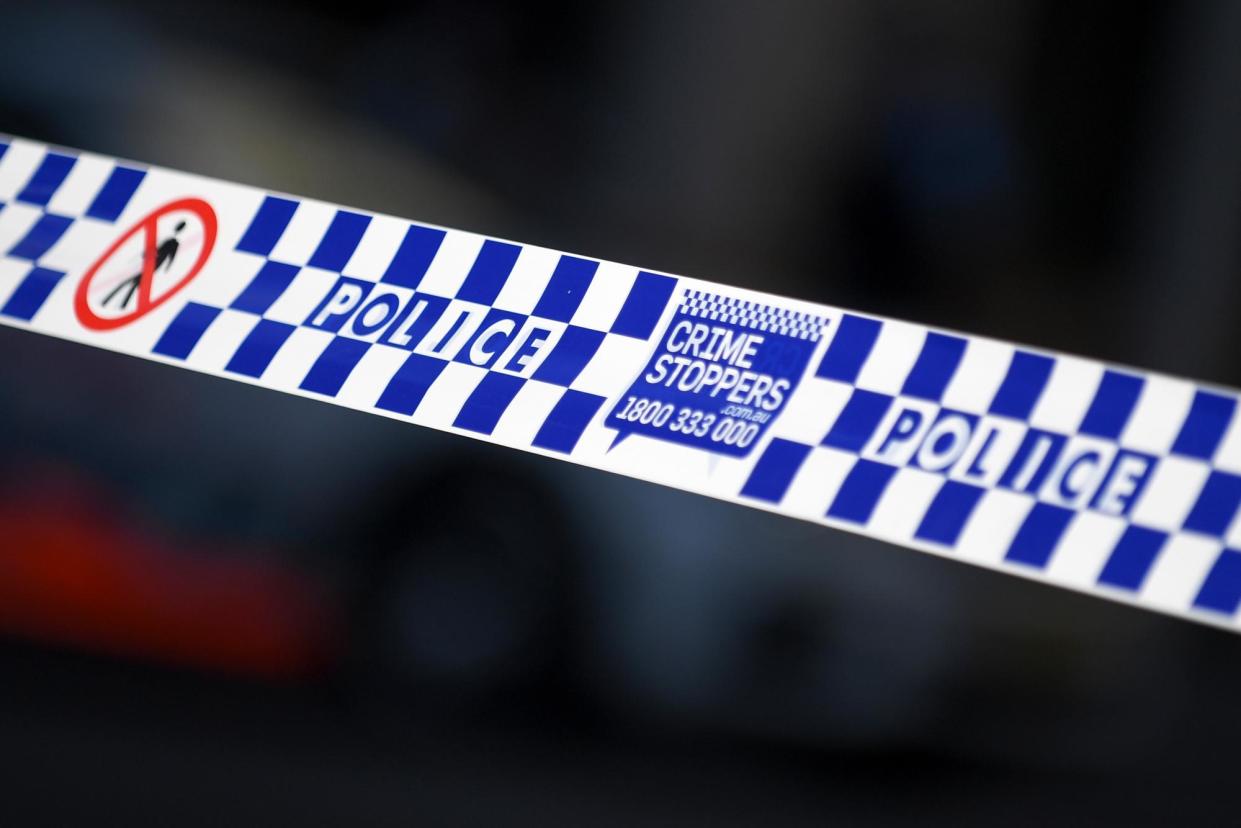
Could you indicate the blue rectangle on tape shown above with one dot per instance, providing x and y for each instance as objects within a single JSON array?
[
  {"x": 334, "y": 366},
  {"x": 1040, "y": 532},
  {"x": 39, "y": 238},
  {"x": 259, "y": 347},
  {"x": 644, "y": 305},
  {"x": 267, "y": 226},
  {"x": 1216, "y": 505},
  {"x": 849, "y": 348},
  {"x": 410, "y": 383},
  {"x": 115, "y": 194},
  {"x": 30, "y": 295},
  {"x": 948, "y": 512},
  {"x": 1023, "y": 384},
  {"x": 47, "y": 178},
  {"x": 569, "y": 283},
  {"x": 858, "y": 420},
  {"x": 775, "y": 469},
  {"x": 568, "y": 419},
  {"x": 414, "y": 256},
  {"x": 1113, "y": 403},
  {"x": 489, "y": 272},
  {"x": 180, "y": 337},
  {"x": 576, "y": 347},
  {"x": 1204, "y": 427},
  {"x": 488, "y": 402},
  {"x": 861, "y": 490},
  {"x": 1221, "y": 591},
  {"x": 1132, "y": 557},
  {"x": 340, "y": 240},
  {"x": 936, "y": 364},
  {"x": 272, "y": 280}
]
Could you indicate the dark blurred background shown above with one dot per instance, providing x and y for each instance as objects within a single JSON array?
[{"x": 220, "y": 605}]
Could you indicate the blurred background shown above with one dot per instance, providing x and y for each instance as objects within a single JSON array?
[{"x": 220, "y": 605}]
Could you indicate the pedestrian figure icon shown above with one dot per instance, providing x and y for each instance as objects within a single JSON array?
[
  {"x": 166, "y": 263},
  {"x": 164, "y": 256}
]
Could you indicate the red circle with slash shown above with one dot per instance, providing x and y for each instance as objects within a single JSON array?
[{"x": 146, "y": 303}]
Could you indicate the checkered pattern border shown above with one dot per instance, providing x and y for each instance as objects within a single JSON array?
[
  {"x": 1114, "y": 482},
  {"x": 733, "y": 310},
  {"x": 1169, "y": 536},
  {"x": 295, "y": 250}
]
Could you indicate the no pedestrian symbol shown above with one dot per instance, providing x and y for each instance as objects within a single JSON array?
[{"x": 148, "y": 265}]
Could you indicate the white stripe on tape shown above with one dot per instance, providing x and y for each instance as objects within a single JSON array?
[{"x": 1110, "y": 481}]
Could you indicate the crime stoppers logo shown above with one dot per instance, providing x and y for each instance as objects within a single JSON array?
[
  {"x": 148, "y": 265},
  {"x": 721, "y": 375}
]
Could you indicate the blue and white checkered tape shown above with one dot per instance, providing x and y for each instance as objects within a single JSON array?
[{"x": 1106, "y": 480}]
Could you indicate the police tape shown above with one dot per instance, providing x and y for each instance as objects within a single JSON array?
[{"x": 1106, "y": 480}]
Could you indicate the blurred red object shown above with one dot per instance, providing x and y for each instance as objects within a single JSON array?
[{"x": 74, "y": 571}]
